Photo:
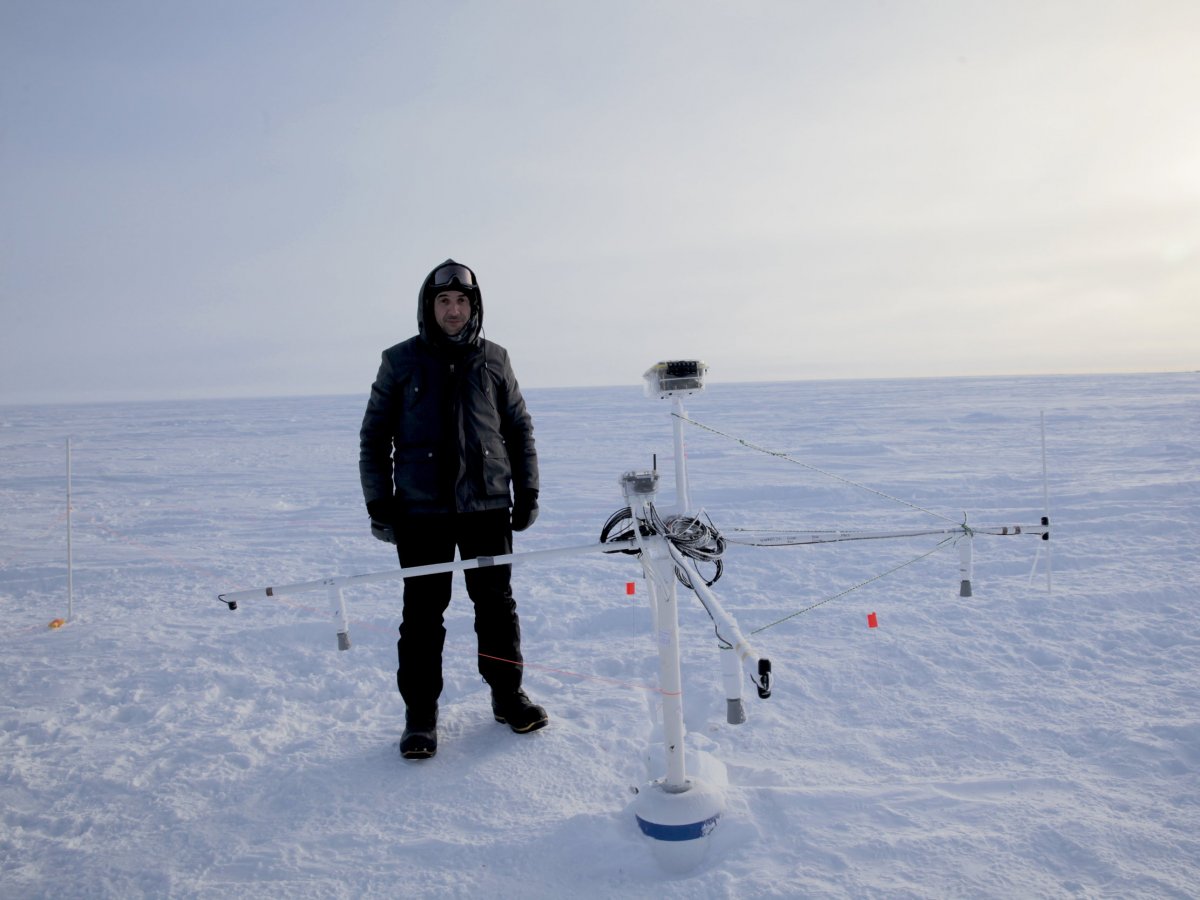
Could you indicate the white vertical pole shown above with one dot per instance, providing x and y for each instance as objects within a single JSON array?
[
  {"x": 661, "y": 579},
  {"x": 1046, "y": 502},
  {"x": 659, "y": 568},
  {"x": 681, "y": 479},
  {"x": 70, "y": 571}
]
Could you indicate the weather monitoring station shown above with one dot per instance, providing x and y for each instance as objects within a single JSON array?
[{"x": 675, "y": 545}]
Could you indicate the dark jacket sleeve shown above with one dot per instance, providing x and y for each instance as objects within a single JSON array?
[
  {"x": 375, "y": 437},
  {"x": 516, "y": 427}
]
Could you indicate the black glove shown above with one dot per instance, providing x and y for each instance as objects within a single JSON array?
[
  {"x": 525, "y": 509},
  {"x": 382, "y": 512}
]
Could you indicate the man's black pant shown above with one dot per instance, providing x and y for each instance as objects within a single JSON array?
[{"x": 422, "y": 540}]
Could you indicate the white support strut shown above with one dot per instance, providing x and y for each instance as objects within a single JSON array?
[
  {"x": 965, "y": 564},
  {"x": 738, "y": 655},
  {"x": 339, "y": 616},
  {"x": 727, "y": 627}
]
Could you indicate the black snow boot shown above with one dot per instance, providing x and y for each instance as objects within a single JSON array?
[
  {"x": 419, "y": 740},
  {"x": 520, "y": 713}
]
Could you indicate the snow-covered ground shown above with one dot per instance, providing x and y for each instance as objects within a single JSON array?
[{"x": 1013, "y": 744}]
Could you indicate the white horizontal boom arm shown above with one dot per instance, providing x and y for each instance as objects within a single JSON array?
[
  {"x": 231, "y": 599},
  {"x": 791, "y": 538}
]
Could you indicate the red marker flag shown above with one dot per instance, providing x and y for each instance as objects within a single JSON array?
[
  {"x": 872, "y": 620},
  {"x": 629, "y": 587}
]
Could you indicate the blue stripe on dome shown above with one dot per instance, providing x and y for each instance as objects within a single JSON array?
[{"x": 688, "y": 832}]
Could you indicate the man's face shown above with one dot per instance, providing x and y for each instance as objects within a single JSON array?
[{"x": 452, "y": 311}]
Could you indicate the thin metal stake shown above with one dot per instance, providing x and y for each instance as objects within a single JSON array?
[{"x": 70, "y": 570}]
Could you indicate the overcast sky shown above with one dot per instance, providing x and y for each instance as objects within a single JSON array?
[{"x": 223, "y": 198}]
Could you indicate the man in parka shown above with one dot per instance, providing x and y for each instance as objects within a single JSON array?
[{"x": 445, "y": 435}]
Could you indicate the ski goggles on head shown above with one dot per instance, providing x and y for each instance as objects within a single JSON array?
[{"x": 447, "y": 275}]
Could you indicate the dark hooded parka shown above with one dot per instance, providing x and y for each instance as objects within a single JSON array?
[{"x": 446, "y": 428}]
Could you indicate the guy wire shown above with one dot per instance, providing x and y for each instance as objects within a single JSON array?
[
  {"x": 813, "y": 468},
  {"x": 862, "y": 584}
]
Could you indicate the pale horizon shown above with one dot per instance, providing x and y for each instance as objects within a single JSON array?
[{"x": 213, "y": 201}]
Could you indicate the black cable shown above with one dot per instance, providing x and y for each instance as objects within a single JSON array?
[
  {"x": 696, "y": 539},
  {"x": 623, "y": 518}
]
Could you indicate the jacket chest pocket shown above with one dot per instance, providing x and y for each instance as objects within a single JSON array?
[
  {"x": 411, "y": 411},
  {"x": 483, "y": 408}
]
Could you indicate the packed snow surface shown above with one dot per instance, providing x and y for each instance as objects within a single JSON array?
[{"x": 1015, "y": 743}]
